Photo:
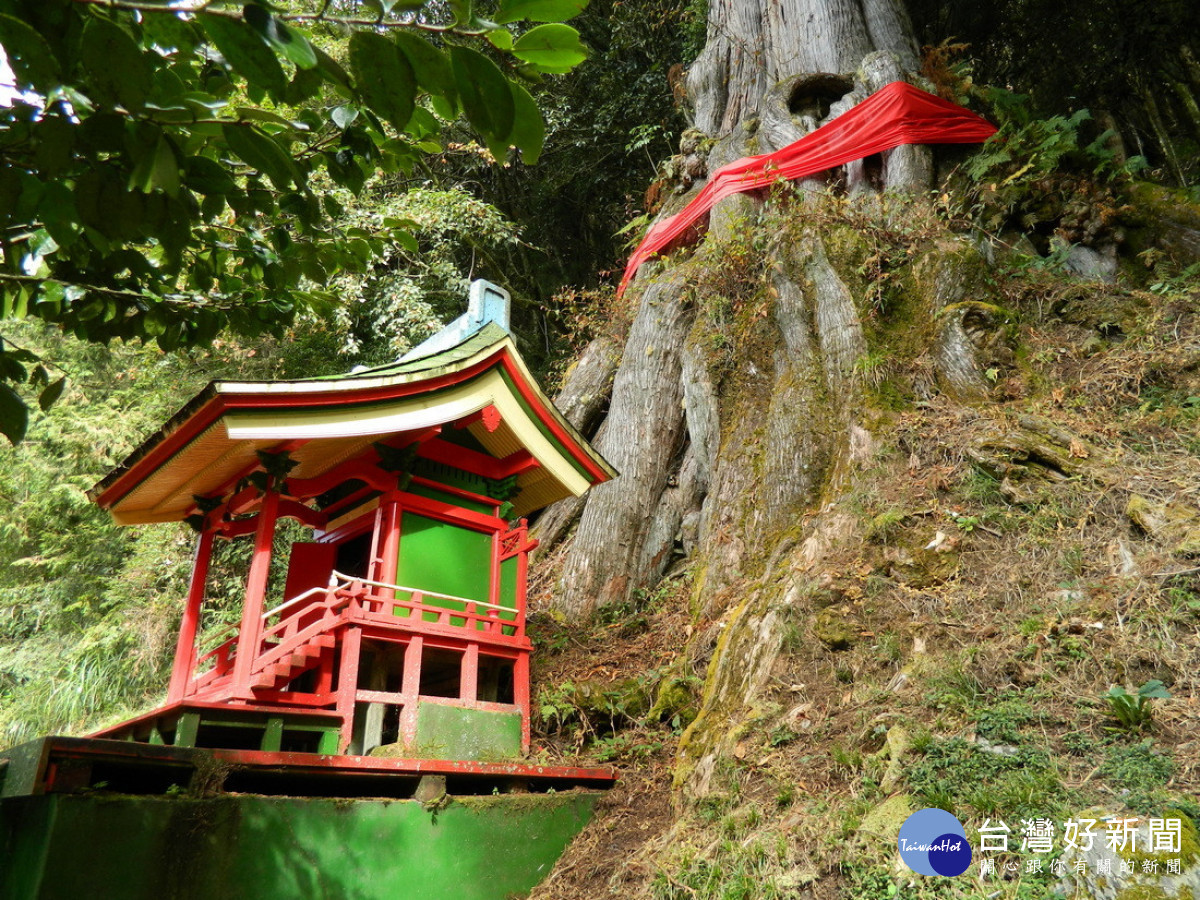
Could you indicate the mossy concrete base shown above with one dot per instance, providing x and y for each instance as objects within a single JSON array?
[
  {"x": 452, "y": 732},
  {"x": 272, "y": 848}
]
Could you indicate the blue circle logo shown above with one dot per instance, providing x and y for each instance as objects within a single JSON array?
[{"x": 933, "y": 842}]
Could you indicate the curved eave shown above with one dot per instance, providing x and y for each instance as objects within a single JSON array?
[{"x": 213, "y": 439}]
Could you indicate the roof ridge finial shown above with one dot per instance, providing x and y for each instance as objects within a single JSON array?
[{"x": 487, "y": 302}]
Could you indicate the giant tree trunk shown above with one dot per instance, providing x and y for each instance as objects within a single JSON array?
[
  {"x": 778, "y": 70},
  {"x": 736, "y": 416}
]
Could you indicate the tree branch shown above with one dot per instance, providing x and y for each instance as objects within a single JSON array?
[
  {"x": 179, "y": 300},
  {"x": 202, "y": 6}
]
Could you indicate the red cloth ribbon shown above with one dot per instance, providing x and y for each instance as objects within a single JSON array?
[{"x": 896, "y": 114}]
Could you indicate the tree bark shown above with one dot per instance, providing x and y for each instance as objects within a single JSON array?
[
  {"x": 769, "y": 74},
  {"x": 645, "y": 431}
]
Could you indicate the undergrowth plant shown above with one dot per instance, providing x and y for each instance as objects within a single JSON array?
[
  {"x": 1044, "y": 175},
  {"x": 1134, "y": 713}
]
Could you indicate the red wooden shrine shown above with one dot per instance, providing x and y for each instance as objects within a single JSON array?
[{"x": 391, "y": 611}]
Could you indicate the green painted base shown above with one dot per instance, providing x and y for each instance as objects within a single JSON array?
[{"x": 132, "y": 847}]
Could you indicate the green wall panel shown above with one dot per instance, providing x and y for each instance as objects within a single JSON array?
[
  {"x": 439, "y": 556},
  {"x": 508, "y": 583},
  {"x": 65, "y": 847}
]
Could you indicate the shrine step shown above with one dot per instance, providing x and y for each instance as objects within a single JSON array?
[{"x": 293, "y": 664}]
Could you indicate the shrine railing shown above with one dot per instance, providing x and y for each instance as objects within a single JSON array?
[
  {"x": 384, "y": 602},
  {"x": 348, "y": 598}
]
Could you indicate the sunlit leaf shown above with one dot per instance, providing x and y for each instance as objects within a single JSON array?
[
  {"x": 538, "y": 10},
  {"x": 552, "y": 48},
  {"x": 283, "y": 39},
  {"x": 485, "y": 94},
  {"x": 156, "y": 169},
  {"x": 529, "y": 130},
  {"x": 260, "y": 152},
  {"x": 429, "y": 64}
]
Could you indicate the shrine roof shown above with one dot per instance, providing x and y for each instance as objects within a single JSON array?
[{"x": 212, "y": 442}]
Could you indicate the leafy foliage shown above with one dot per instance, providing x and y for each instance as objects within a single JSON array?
[
  {"x": 160, "y": 167},
  {"x": 88, "y": 611},
  {"x": 591, "y": 176},
  {"x": 1134, "y": 713},
  {"x": 954, "y": 775},
  {"x": 1133, "y": 64},
  {"x": 1042, "y": 176},
  {"x": 415, "y": 285},
  {"x": 1140, "y": 773}
]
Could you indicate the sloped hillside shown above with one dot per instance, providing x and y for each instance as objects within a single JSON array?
[{"x": 963, "y": 613}]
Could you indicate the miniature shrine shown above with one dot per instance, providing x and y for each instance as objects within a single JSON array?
[
  {"x": 402, "y": 620},
  {"x": 382, "y": 647}
]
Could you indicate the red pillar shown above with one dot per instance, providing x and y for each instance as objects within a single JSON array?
[
  {"x": 388, "y": 540},
  {"x": 526, "y": 547},
  {"x": 250, "y": 634},
  {"x": 411, "y": 688},
  {"x": 185, "y": 647},
  {"x": 347, "y": 684},
  {"x": 521, "y": 694}
]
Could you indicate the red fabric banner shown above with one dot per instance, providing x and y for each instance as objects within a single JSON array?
[{"x": 896, "y": 114}]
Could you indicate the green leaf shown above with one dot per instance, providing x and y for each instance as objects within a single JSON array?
[
  {"x": 423, "y": 124},
  {"x": 429, "y": 64},
  {"x": 171, "y": 31},
  {"x": 461, "y": 10},
  {"x": 332, "y": 69},
  {"x": 529, "y": 130},
  {"x": 116, "y": 69},
  {"x": 501, "y": 39},
  {"x": 54, "y": 141},
  {"x": 48, "y": 397},
  {"x": 552, "y": 48},
  {"x": 14, "y": 416},
  {"x": 246, "y": 53},
  {"x": 284, "y": 40},
  {"x": 538, "y": 10},
  {"x": 345, "y": 170},
  {"x": 106, "y": 204},
  {"x": 31, "y": 59},
  {"x": 485, "y": 94},
  {"x": 157, "y": 168},
  {"x": 254, "y": 114},
  {"x": 306, "y": 84},
  {"x": 1153, "y": 690},
  {"x": 384, "y": 77},
  {"x": 260, "y": 152},
  {"x": 343, "y": 116},
  {"x": 60, "y": 215},
  {"x": 207, "y": 176}
]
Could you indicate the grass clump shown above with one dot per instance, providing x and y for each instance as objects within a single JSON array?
[
  {"x": 1138, "y": 774},
  {"x": 955, "y": 775}
]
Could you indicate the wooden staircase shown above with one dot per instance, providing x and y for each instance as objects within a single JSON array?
[
  {"x": 305, "y": 634},
  {"x": 302, "y": 657}
]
